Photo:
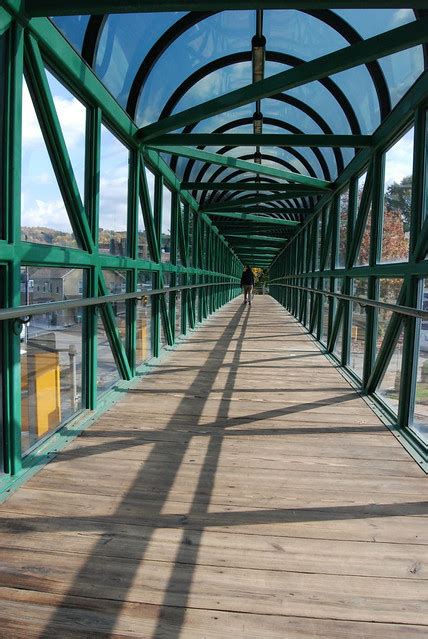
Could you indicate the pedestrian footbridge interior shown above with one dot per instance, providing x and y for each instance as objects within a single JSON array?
[{"x": 174, "y": 462}]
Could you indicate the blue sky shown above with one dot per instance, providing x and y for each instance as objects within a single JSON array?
[{"x": 41, "y": 200}]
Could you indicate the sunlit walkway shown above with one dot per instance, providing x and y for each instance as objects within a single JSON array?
[{"x": 243, "y": 489}]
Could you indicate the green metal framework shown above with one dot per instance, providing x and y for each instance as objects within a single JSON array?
[
  {"x": 212, "y": 264},
  {"x": 277, "y": 207},
  {"x": 308, "y": 280}
]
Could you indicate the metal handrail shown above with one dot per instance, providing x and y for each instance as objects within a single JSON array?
[
  {"x": 362, "y": 301},
  {"x": 47, "y": 307}
]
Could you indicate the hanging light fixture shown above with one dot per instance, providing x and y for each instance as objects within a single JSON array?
[
  {"x": 257, "y": 123},
  {"x": 258, "y": 49}
]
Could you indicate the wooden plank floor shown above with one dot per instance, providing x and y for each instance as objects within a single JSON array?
[{"x": 242, "y": 489}]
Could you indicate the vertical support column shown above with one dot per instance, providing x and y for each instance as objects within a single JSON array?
[
  {"x": 185, "y": 295},
  {"x": 378, "y": 164},
  {"x": 414, "y": 298},
  {"x": 175, "y": 212},
  {"x": 132, "y": 244},
  {"x": 155, "y": 302},
  {"x": 12, "y": 203},
  {"x": 92, "y": 200},
  {"x": 347, "y": 285}
]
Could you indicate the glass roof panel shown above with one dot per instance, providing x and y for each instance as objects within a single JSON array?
[
  {"x": 358, "y": 87},
  {"x": 217, "y": 36},
  {"x": 125, "y": 40},
  {"x": 73, "y": 28},
  {"x": 401, "y": 70},
  {"x": 371, "y": 22},
  {"x": 299, "y": 34}
]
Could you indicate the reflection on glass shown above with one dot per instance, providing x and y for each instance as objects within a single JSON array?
[
  {"x": 166, "y": 226},
  {"x": 397, "y": 200},
  {"x": 166, "y": 284},
  {"x": 389, "y": 388},
  {"x": 389, "y": 289},
  {"x": 44, "y": 216},
  {"x": 143, "y": 344},
  {"x": 325, "y": 312},
  {"x": 115, "y": 281},
  {"x": 343, "y": 225},
  {"x": 364, "y": 253},
  {"x": 72, "y": 118},
  {"x": 51, "y": 352},
  {"x": 114, "y": 160},
  {"x": 143, "y": 249},
  {"x": 358, "y": 330},
  {"x": 420, "y": 422},
  {"x": 107, "y": 372}
]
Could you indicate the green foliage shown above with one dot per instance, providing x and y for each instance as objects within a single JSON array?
[{"x": 398, "y": 197}]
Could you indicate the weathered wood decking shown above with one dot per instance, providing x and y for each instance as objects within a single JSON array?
[{"x": 241, "y": 490}]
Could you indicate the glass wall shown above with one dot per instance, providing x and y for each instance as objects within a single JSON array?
[
  {"x": 113, "y": 215},
  {"x": 51, "y": 352},
  {"x": 144, "y": 315}
]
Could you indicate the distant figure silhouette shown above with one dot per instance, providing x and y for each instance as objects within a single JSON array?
[{"x": 247, "y": 282}]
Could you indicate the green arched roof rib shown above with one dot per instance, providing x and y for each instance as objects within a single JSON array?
[
  {"x": 190, "y": 20},
  {"x": 273, "y": 122},
  {"x": 264, "y": 156},
  {"x": 298, "y": 166},
  {"x": 298, "y": 104}
]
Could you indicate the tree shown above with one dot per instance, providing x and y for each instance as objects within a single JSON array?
[{"x": 398, "y": 197}]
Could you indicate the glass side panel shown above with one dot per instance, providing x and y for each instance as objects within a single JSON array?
[
  {"x": 364, "y": 251},
  {"x": 44, "y": 217},
  {"x": 389, "y": 388},
  {"x": 72, "y": 118},
  {"x": 420, "y": 421},
  {"x": 343, "y": 225},
  {"x": 166, "y": 226},
  {"x": 144, "y": 313},
  {"x": 114, "y": 166},
  {"x": 107, "y": 371},
  {"x": 151, "y": 186},
  {"x": 143, "y": 249},
  {"x": 115, "y": 281},
  {"x": 397, "y": 200},
  {"x": 166, "y": 284},
  {"x": 125, "y": 41},
  {"x": 389, "y": 290},
  {"x": 51, "y": 352},
  {"x": 339, "y": 341},
  {"x": 358, "y": 330}
]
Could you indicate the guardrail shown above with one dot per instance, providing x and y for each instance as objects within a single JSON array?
[
  {"x": 362, "y": 301},
  {"x": 48, "y": 307}
]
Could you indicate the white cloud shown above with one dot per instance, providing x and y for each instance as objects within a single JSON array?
[
  {"x": 399, "y": 159},
  {"x": 71, "y": 115},
  {"x": 50, "y": 214}
]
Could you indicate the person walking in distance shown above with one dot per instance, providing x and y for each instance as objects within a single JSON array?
[{"x": 247, "y": 283}]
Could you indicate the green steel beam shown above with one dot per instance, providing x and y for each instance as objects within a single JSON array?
[
  {"x": 348, "y": 57},
  {"x": 245, "y": 201},
  {"x": 262, "y": 249},
  {"x": 256, "y": 238},
  {"x": 97, "y": 7},
  {"x": 263, "y": 139},
  {"x": 257, "y": 218},
  {"x": 293, "y": 189},
  {"x": 263, "y": 209},
  {"x": 235, "y": 163}
]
